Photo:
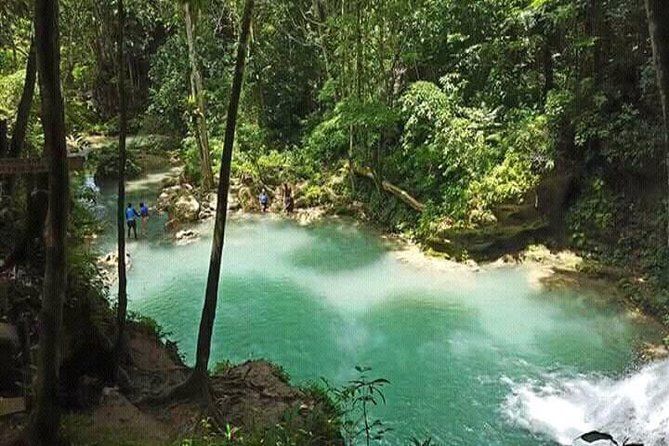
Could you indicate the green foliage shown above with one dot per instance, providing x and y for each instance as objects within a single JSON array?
[
  {"x": 328, "y": 141},
  {"x": 105, "y": 160},
  {"x": 465, "y": 160},
  {"x": 354, "y": 401},
  {"x": 11, "y": 87},
  {"x": 593, "y": 217},
  {"x": 149, "y": 325},
  {"x": 190, "y": 154}
]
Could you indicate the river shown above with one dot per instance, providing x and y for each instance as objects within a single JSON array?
[{"x": 473, "y": 358}]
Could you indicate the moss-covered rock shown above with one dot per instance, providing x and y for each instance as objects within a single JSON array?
[{"x": 488, "y": 242}]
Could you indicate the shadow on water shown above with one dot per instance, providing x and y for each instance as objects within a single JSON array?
[{"x": 337, "y": 248}]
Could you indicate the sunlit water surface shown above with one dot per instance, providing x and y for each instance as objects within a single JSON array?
[{"x": 473, "y": 358}]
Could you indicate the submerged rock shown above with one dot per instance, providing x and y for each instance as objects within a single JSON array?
[{"x": 186, "y": 236}]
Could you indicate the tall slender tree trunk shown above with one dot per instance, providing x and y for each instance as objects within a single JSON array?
[
  {"x": 23, "y": 112},
  {"x": 548, "y": 66},
  {"x": 213, "y": 278},
  {"x": 120, "y": 205},
  {"x": 45, "y": 416},
  {"x": 197, "y": 91},
  {"x": 658, "y": 23},
  {"x": 25, "y": 104}
]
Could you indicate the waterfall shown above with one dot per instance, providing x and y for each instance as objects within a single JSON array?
[{"x": 634, "y": 407}]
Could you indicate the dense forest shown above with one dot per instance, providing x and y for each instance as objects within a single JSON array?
[{"x": 471, "y": 128}]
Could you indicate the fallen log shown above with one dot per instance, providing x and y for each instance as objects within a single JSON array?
[{"x": 392, "y": 189}]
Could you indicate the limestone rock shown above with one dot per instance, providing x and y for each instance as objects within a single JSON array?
[{"x": 186, "y": 208}]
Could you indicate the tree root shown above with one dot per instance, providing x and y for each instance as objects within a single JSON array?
[{"x": 195, "y": 388}]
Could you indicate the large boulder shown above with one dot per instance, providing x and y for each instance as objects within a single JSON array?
[{"x": 186, "y": 208}]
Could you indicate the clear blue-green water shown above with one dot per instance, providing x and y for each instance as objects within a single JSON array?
[{"x": 473, "y": 358}]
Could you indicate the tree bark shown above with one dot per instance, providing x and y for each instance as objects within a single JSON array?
[
  {"x": 120, "y": 205},
  {"x": 197, "y": 91},
  {"x": 3, "y": 137},
  {"x": 548, "y": 66},
  {"x": 213, "y": 278},
  {"x": 25, "y": 104},
  {"x": 45, "y": 417},
  {"x": 658, "y": 23}
]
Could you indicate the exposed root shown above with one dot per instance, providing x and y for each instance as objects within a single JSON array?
[{"x": 195, "y": 388}]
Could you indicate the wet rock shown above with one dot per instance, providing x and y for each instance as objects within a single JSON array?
[
  {"x": 310, "y": 215},
  {"x": 472, "y": 265},
  {"x": 654, "y": 352},
  {"x": 109, "y": 266},
  {"x": 186, "y": 208},
  {"x": 206, "y": 214},
  {"x": 110, "y": 261},
  {"x": 563, "y": 260},
  {"x": 504, "y": 261},
  {"x": 186, "y": 236},
  {"x": 233, "y": 203},
  {"x": 170, "y": 181}
]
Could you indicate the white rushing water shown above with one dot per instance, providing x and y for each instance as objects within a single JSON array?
[{"x": 635, "y": 407}]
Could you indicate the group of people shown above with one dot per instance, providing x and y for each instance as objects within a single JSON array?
[
  {"x": 131, "y": 216},
  {"x": 288, "y": 201}
]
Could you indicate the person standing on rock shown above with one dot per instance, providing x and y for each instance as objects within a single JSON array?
[
  {"x": 131, "y": 215},
  {"x": 144, "y": 212},
  {"x": 264, "y": 200}
]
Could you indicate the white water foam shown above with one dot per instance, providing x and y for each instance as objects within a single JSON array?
[{"x": 635, "y": 407}]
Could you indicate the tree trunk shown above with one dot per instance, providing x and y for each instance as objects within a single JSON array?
[
  {"x": 45, "y": 416},
  {"x": 547, "y": 55},
  {"x": 3, "y": 137},
  {"x": 23, "y": 113},
  {"x": 658, "y": 23},
  {"x": 399, "y": 193},
  {"x": 594, "y": 33},
  {"x": 211, "y": 294},
  {"x": 351, "y": 173},
  {"x": 25, "y": 104},
  {"x": 120, "y": 205},
  {"x": 197, "y": 91}
]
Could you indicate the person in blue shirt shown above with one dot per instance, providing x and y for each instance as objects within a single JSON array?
[
  {"x": 144, "y": 212},
  {"x": 264, "y": 200},
  {"x": 131, "y": 215}
]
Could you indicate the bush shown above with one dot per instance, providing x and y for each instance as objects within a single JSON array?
[
  {"x": 106, "y": 163},
  {"x": 592, "y": 219}
]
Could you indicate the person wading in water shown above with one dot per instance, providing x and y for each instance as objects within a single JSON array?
[
  {"x": 264, "y": 201},
  {"x": 131, "y": 215},
  {"x": 144, "y": 212}
]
